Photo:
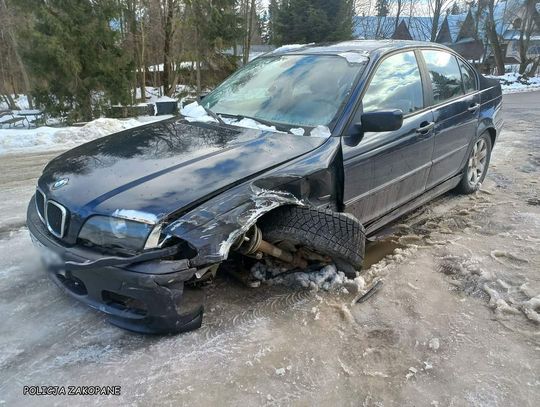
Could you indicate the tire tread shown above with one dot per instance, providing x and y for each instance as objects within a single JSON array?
[{"x": 328, "y": 232}]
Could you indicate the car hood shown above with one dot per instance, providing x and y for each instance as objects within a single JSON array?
[{"x": 162, "y": 168}]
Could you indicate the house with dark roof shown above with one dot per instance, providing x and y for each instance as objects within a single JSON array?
[
  {"x": 402, "y": 32},
  {"x": 460, "y": 32},
  {"x": 467, "y": 42},
  {"x": 374, "y": 27}
]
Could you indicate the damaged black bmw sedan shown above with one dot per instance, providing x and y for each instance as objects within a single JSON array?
[{"x": 297, "y": 158}]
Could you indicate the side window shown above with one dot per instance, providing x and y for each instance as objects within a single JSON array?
[
  {"x": 396, "y": 84},
  {"x": 469, "y": 77},
  {"x": 445, "y": 75}
]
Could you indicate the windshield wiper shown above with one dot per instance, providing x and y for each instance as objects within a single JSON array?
[
  {"x": 261, "y": 121},
  {"x": 212, "y": 114}
]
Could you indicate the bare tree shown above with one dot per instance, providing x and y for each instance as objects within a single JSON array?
[
  {"x": 11, "y": 38},
  {"x": 134, "y": 13},
  {"x": 528, "y": 27},
  {"x": 436, "y": 9},
  {"x": 249, "y": 15},
  {"x": 399, "y": 9},
  {"x": 493, "y": 37},
  {"x": 168, "y": 12}
]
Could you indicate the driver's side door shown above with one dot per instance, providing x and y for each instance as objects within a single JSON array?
[{"x": 388, "y": 169}]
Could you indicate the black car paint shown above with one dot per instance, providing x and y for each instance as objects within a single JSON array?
[
  {"x": 168, "y": 305},
  {"x": 162, "y": 169},
  {"x": 208, "y": 199}
]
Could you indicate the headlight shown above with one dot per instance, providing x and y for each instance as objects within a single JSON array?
[{"x": 107, "y": 231}]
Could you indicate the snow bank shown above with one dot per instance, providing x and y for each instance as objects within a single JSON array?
[
  {"x": 54, "y": 138},
  {"x": 513, "y": 82},
  {"x": 20, "y": 100}
]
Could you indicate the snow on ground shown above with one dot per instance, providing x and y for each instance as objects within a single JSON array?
[
  {"x": 513, "y": 82},
  {"x": 20, "y": 100},
  {"x": 327, "y": 278},
  {"x": 153, "y": 94},
  {"x": 56, "y": 138}
]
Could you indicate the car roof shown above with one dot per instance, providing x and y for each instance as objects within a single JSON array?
[{"x": 358, "y": 46}]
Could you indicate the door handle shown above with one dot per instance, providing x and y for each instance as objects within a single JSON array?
[
  {"x": 473, "y": 108},
  {"x": 425, "y": 128}
]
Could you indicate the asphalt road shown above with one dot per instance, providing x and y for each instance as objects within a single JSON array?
[{"x": 456, "y": 322}]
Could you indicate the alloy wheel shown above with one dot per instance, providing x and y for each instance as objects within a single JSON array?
[{"x": 477, "y": 162}]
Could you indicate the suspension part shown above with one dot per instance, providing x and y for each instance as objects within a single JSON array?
[{"x": 252, "y": 243}]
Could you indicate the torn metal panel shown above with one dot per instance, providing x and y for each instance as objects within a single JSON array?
[
  {"x": 213, "y": 227},
  {"x": 212, "y": 232}
]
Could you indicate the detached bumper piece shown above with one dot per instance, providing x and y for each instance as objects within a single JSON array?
[{"x": 143, "y": 293}]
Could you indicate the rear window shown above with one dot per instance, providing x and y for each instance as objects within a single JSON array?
[{"x": 445, "y": 75}]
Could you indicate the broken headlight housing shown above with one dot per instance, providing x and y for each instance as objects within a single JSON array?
[{"x": 111, "y": 232}]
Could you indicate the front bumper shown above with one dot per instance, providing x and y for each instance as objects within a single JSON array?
[{"x": 144, "y": 293}]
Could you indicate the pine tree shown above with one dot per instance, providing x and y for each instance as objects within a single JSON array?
[
  {"x": 216, "y": 26},
  {"x": 382, "y": 7},
  {"x": 273, "y": 12},
  {"x": 74, "y": 57},
  {"x": 306, "y": 21}
]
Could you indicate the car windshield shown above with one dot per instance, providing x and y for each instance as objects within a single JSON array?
[{"x": 295, "y": 90}]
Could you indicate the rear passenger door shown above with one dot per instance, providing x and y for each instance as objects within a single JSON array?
[{"x": 456, "y": 108}]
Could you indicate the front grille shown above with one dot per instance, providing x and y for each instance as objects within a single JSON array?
[
  {"x": 40, "y": 204},
  {"x": 52, "y": 214},
  {"x": 56, "y": 218}
]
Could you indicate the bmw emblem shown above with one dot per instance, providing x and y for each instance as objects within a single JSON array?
[{"x": 60, "y": 183}]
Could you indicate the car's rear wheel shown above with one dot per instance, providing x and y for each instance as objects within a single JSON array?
[
  {"x": 319, "y": 235},
  {"x": 477, "y": 165}
]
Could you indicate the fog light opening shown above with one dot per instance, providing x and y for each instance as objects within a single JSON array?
[
  {"x": 124, "y": 303},
  {"x": 72, "y": 283}
]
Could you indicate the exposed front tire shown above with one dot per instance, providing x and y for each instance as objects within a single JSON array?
[
  {"x": 476, "y": 167},
  {"x": 336, "y": 235}
]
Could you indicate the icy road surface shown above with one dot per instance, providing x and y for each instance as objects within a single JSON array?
[{"x": 456, "y": 322}]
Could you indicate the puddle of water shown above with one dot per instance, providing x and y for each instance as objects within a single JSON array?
[{"x": 378, "y": 249}]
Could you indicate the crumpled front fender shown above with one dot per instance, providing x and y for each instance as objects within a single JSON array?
[{"x": 213, "y": 228}]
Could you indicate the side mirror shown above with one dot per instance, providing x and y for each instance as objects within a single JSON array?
[{"x": 382, "y": 120}]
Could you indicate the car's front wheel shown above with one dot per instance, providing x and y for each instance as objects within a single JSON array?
[
  {"x": 320, "y": 235},
  {"x": 477, "y": 165}
]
